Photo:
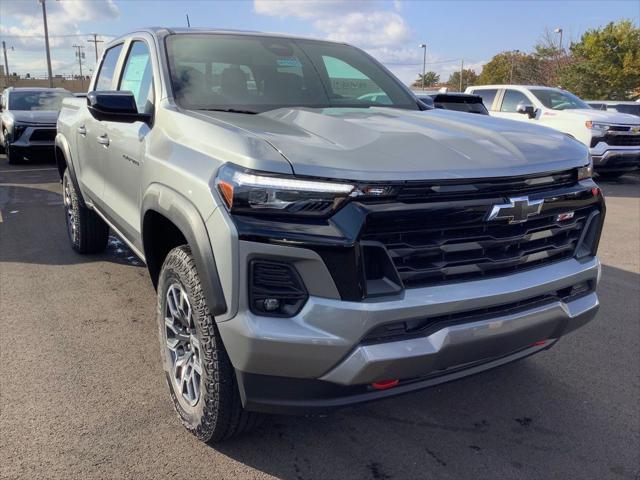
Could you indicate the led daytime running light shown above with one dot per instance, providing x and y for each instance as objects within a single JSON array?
[{"x": 251, "y": 180}]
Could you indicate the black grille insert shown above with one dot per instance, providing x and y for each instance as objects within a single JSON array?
[
  {"x": 618, "y": 140},
  {"x": 43, "y": 135},
  {"x": 426, "y": 255}
]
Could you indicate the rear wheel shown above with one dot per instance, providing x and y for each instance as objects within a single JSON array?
[
  {"x": 201, "y": 379},
  {"x": 88, "y": 233}
]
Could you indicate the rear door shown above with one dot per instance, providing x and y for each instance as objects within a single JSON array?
[
  {"x": 90, "y": 133},
  {"x": 125, "y": 159},
  {"x": 488, "y": 96}
]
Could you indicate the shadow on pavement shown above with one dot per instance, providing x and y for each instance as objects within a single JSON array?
[{"x": 625, "y": 186}]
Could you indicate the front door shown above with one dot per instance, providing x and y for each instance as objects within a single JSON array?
[
  {"x": 123, "y": 168},
  {"x": 508, "y": 107}
]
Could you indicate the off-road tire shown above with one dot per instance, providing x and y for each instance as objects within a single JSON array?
[
  {"x": 88, "y": 233},
  {"x": 12, "y": 158},
  {"x": 218, "y": 414}
]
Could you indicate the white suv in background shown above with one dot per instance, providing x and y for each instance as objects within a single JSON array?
[{"x": 613, "y": 138}]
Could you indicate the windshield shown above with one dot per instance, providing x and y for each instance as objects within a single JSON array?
[
  {"x": 37, "y": 100},
  {"x": 559, "y": 100},
  {"x": 256, "y": 74}
]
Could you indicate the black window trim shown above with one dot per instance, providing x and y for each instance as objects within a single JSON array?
[{"x": 123, "y": 63}]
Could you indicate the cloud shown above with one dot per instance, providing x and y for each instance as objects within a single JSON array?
[{"x": 22, "y": 28}]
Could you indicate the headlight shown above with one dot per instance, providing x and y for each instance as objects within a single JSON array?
[
  {"x": 17, "y": 131},
  {"x": 586, "y": 171},
  {"x": 247, "y": 191},
  {"x": 603, "y": 127}
]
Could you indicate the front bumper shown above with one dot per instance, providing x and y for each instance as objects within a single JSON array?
[
  {"x": 321, "y": 348},
  {"x": 606, "y": 158}
]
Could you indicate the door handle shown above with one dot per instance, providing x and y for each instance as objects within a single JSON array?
[
  {"x": 82, "y": 130},
  {"x": 103, "y": 140}
]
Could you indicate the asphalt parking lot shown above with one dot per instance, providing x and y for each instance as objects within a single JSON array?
[{"x": 82, "y": 393}]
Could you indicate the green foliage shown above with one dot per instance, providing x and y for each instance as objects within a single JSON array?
[
  {"x": 511, "y": 67},
  {"x": 607, "y": 63},
  {"x": 430, "y": 79},
  {"x": 469, "y": 77}
]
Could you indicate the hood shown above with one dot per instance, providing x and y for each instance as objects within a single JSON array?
[
  {"x": 35, "y": 116},
  {"x": 604, "y": 116},
  {"x": 392, "y": 144}
]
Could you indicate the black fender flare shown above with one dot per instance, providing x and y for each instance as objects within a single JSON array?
[
  {"x": 63, "y": 145},
  {"x": 184, "y": 215}
]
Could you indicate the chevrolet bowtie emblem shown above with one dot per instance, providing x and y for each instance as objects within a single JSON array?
[{"x": 518, "y": 210}]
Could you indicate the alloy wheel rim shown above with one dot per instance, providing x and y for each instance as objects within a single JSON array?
[
  {"x": 182, "y": 345},
  {"x": 68, "y": 206}
]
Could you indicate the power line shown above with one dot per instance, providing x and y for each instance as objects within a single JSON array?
[{"x": 68, "y": 35}]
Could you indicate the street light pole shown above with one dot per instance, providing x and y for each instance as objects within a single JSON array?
[
  {"x": 559, "y": 30},
  {"x": 6, "y": 63},
  {"x": 46, "y": 42},
  {"x": 423, "y": 46}
]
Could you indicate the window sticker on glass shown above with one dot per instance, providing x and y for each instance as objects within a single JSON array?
[
  {"x": 134, "y": 74},
  {"x": 288, "y": 62}
]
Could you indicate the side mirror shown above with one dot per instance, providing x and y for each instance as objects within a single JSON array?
[
  {"x": 526, "y": 109},
  {"x": 115, "y": 106}
]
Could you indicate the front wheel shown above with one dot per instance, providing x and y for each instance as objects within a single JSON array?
[
  {"x": 201, "y": 379},
  {"x": 88, "y": 233}
]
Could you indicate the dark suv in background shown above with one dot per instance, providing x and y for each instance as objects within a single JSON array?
[
  {"x": 28, "y": 121},
  {"x": 460, "y": 102}
]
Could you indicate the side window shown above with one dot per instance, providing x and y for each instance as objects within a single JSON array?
[
  {"x": 511, "y": 100},
  {"x": 350, "y": 83},
  {"x": 487, "y": 96},
  {"x": 137, "y": 76},
  {"x": 108, "y": 68}
]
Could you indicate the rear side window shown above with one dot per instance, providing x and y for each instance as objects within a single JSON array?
[
  {"x": 137, "y": 76},
  {"x": 511, "y": 100},
  {"x": 108, "y": 68},
  {"x": 487, "y": 96}
]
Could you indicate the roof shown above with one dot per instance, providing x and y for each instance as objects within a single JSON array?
[
  {"x": 36, "y": 89},
  {"x": 613, "y": 102},
  {"x": 162, "y": 31},
  {"x": 537, "y": 87}
]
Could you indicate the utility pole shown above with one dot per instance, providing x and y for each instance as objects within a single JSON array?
[
  {"x": 80, "y": 55},
  {"x": 46, "y": 42},
  {"x": 461, "y": 72},
  {"x": 423, "y": 46},
  {"x": 6, "y": 63},
  {"x": 95, "y": 42},
  {"x": 188, "y": 22},
  {"x": 513, "y": 59}
]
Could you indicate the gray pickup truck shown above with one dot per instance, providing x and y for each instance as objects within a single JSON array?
[{"x": 312, "y": 247}]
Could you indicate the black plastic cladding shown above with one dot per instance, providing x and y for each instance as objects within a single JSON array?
[{"x": 337, "y": 239}]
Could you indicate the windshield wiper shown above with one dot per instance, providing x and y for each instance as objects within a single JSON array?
[{"x": 229, "y": 110}]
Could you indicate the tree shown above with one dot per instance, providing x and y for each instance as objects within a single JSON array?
[
  {"x": 606, "y": 63},
  {"x": 469, "y": 77},
  {"x": 430, "y": 79},
  {"x": 514, "y": 67}
]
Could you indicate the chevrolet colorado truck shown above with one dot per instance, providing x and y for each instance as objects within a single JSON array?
[
  {"x": 613, "y": 138},
  {"x": 311, "y": 247},
  {"x": 28, "y": 121}
]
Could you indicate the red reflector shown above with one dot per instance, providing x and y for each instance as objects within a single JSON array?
[
  {"x": 595, "y": 191},
  {"x": 540, "y": 343},
  {"x": 384, "y": 384}
]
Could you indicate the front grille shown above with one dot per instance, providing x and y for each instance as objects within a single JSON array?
[
  {"x": 618, "y": 140},
  {"x": 43, "y": 135},
  {"x": 413, "y": 191},
  {"x": 425, "y": 254}
]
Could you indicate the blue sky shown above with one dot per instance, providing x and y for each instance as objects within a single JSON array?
[{"x": 390, "y": 30}]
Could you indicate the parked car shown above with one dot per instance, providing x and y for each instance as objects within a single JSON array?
[
  {"x": 613, "y": 138},
  {"x": 613, "y": 106},
  {"x": 28, "y": 120},
  {"x": 311, "y": 249},
  {"x": 460, "y": 102}
]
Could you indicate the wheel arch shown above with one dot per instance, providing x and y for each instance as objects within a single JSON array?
[
  {"x": 167, "y": 218},
  {"x": 64, "y": 161}
]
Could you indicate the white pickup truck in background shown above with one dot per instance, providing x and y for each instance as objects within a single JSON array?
[{"x": 613, "y": 138}]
